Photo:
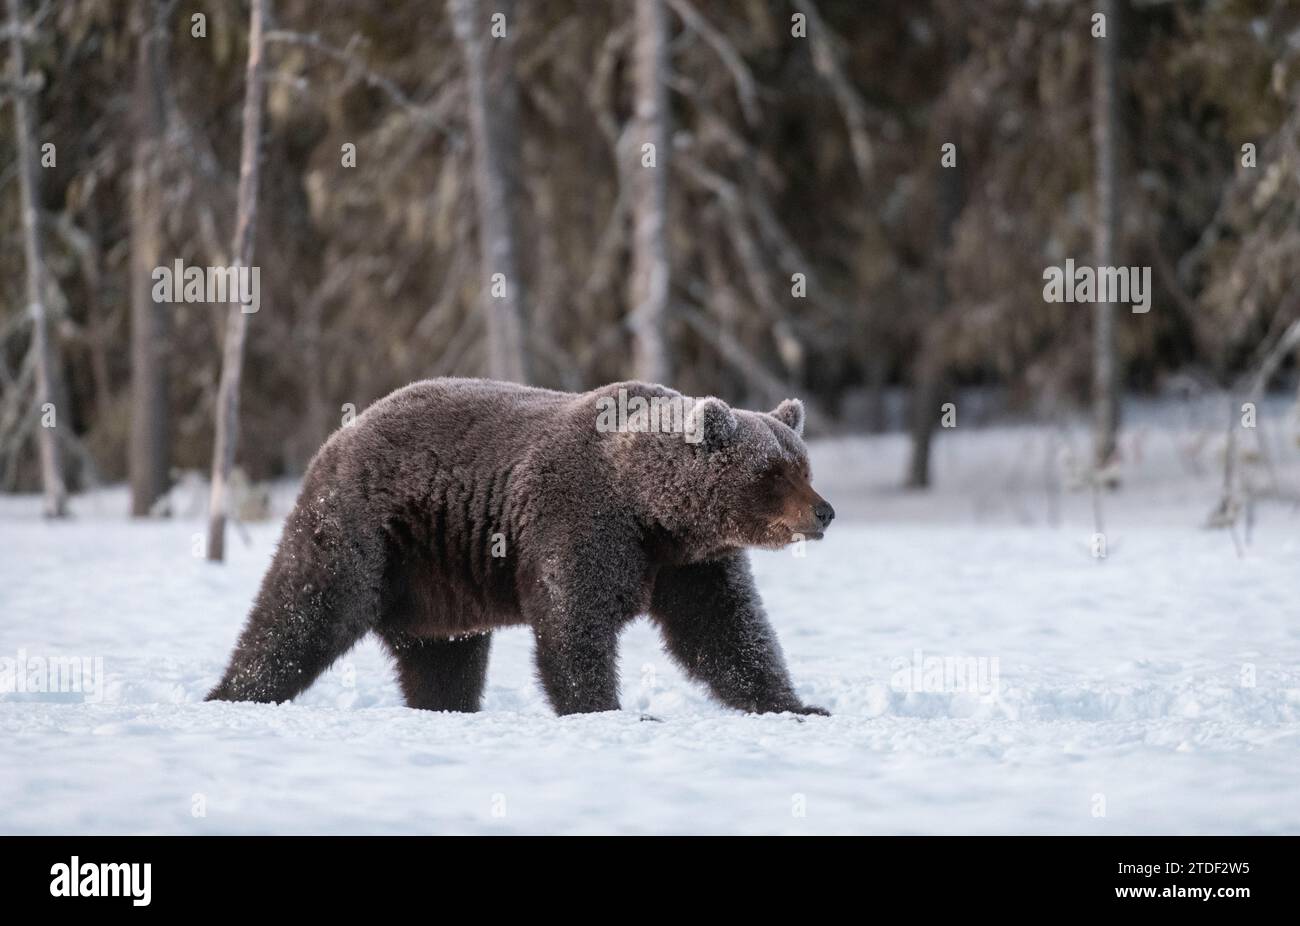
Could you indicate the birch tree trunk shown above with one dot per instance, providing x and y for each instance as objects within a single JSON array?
[
  {"x": 52, "y": 484},
  {"x": 493, "y": 118},
  {"x": 150, "y": 436},
  {"x": 232, "y": 361},
  {"x": 648, "y": 286},
  {"x": 1105, "y": 129}
]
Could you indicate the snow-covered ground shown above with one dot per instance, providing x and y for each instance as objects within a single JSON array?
[{"x": 1154, "y": 691}]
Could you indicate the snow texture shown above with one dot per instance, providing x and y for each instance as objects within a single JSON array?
[{"x": 1154, "y": 691}]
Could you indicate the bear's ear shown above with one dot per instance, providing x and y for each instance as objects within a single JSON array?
[
  {"x": 790, "y": 414},
  {"x": 711, "y": 424}
]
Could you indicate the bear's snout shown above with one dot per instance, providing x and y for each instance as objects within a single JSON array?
[{"x": 810, "y": 516}]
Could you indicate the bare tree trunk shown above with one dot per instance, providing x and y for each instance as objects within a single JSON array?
[
  {"x": 923, "y": 414},
  {"x": 232, "y": 361},
  {"x": 1105, "y": 128},
  {"x": 55, "y": 490},
  {"x": 928, "y": 369},
  {"x": 92, "y": 261},
  {"x": 877, "y": 372},
  {"x": 648, "y": 286},
  {"x": 150, "y": 437},
  {"x": 494, "y": 117}
]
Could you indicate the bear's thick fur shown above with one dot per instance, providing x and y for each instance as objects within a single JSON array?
[{"x": 455, "y": 506}]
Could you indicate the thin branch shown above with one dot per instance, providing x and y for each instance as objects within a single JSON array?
[
  {"x": 348, "y": 56},
  {"x": 746, "y": 88},
  {"x": 749, "y": 366},
  {"x": 826, "y": 59}
]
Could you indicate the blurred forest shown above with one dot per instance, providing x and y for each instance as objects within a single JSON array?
[{"x": 797, "y": 233}]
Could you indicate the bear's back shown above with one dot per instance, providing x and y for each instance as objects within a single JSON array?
[{"x": 465, "y": 421}]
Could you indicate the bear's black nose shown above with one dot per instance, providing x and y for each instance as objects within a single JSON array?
[{"x": 824, "y": 513}]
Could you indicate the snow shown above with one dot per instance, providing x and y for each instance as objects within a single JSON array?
[{"x": 1156, "y": 690}]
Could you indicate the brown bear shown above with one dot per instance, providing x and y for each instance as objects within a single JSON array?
[{"x": 455, "y": 506}]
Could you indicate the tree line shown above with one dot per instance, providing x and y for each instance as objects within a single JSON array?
[{"x": 748, "y": 198}]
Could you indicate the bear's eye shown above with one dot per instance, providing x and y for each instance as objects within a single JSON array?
[{"x": 773, "y": 479}]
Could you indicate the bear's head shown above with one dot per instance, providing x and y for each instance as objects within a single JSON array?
[{"x": 728, "y": 479}]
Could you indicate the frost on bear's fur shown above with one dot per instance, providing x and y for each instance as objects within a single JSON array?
[{"x": 454, "y": 506}]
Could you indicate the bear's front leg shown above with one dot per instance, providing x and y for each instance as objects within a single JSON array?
[
  {"x": 714, "y": 626},
  {"x": 576, "y": 609},
  {"x": 578, "y": 668}
]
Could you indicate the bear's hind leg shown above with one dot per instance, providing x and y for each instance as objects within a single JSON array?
[
  {"x": 317, "y": 600},
  {"x": 278, "y": 657},
  {"x": 440, "y": 675}
]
